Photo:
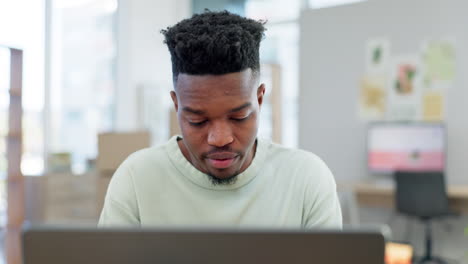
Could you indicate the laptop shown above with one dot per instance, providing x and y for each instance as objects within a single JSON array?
[{"x": 149, "y": 246}]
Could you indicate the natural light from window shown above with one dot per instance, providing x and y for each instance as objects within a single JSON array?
[
  {"x": 23, "y": 28},
  {"x": 330, "y": 3}
]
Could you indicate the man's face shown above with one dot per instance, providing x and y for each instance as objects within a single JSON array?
[{"x": 218, "y": 117}]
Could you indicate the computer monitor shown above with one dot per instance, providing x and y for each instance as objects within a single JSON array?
[
  {"x": 399, "y": 146},
  {"x": 145, "y": 246}
]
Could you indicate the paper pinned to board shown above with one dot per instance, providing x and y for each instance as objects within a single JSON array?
[
  {"x": 404, "y": 89},
  {"x": 377, "y": 55},
  {"x": 372, "y": 96},
  {"x": 416, "y": 85},
  {"x": 433, "y": 106},
  {"x": 438, "y": 58}
]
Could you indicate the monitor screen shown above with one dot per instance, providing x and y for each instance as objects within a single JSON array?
[{"x": 406, "y": 147}]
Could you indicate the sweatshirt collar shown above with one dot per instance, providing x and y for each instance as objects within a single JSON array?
[{"x": 201, "y": 179}]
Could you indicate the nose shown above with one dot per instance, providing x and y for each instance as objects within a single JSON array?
[{"x": 220, "y": 135}]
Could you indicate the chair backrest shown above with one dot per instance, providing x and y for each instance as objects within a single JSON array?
[{"x": 421, "y": 194}]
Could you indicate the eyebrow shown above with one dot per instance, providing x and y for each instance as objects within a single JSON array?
[
  {"x": 201, "y": 112},
  {"x": 193, "y": 111},
  {"x": 237, "y": 109}
]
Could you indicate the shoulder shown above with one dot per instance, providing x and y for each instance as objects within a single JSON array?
[
  {"x": 297, "y": 158},
  {"x": 138, "y": 168},
  {"x": 299, "y": 165}
]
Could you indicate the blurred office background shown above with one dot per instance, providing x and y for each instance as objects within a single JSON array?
[{"x": 346, "y": 79}]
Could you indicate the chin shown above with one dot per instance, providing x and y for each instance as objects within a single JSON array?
[
  {"x": 223, "y": 180},
  {"x": 225, "y": 174}
]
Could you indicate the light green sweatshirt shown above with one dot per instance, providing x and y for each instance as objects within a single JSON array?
[{"x": 282, "y": 188}]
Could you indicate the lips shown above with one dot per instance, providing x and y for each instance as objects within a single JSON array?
[
  {"x": 222, "y": 160},
  {"x": 222, "y": 155}
]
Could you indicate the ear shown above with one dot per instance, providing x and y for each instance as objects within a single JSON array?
[
  {"x": 174, "y": 100},
  {"x": 260, "y": 94}
]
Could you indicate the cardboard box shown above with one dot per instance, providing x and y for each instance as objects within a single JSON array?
[
  {"x": 65, "y": 198},
  {"x": 70, "y": 197},
  {"x": 114, "y": 148},
  {"x": 174, "y": 128}
]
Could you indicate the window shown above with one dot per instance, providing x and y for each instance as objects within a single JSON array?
[
  {"x": 4, "y": 104},
  {"x": 330, "y": 3},
  {"x": 281, "y": 47},
  {"x": 82, "y": 90},
  {"x": 274, "y": 11},
  {"x": 24, "y": 28}
]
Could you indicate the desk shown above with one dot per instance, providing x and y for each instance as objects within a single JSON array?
[{"x": 382, "y": 196}]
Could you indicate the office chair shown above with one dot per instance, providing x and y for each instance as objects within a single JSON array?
[{"x": 423, "y": 195}]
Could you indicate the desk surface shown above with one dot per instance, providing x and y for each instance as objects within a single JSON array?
[{"x": 375, "y": 195}]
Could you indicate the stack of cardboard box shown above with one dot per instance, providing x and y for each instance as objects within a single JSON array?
[
  {"x": 78, "y": 199},
  {"x": 69, "y": 198}
]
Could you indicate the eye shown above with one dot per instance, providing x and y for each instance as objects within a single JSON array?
[
  {"x": 240, "y": 119},
  {"x": 197, "y": 124}
]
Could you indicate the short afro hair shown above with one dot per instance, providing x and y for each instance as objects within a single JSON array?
[{"x": 214, "y": 43}]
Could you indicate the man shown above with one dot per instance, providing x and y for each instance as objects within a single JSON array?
[{"x": 218, "y": 173}]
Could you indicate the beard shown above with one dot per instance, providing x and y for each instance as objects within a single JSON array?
[{"x": 223, "y": 181}]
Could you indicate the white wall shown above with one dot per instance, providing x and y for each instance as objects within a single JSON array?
[
  {"x": 332, "y": 61},
  {"x": 143, "y": 59}
]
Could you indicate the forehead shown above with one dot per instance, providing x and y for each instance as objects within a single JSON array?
[{"x": 203, "y": 89}]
